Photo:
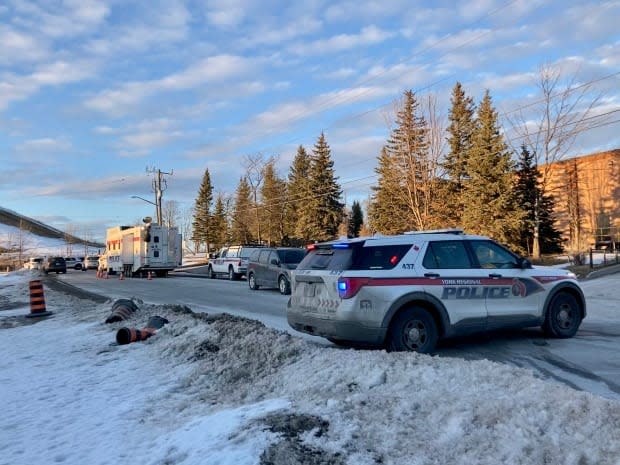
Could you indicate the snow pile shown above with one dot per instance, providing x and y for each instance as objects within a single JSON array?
[{"x": 220, "y": 389}]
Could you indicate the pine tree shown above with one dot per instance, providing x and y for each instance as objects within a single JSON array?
[
  {"x": 356, "y": 220},
  {"x": 299, "y": 193},
  {"x": 324, "y": 209},
  {"x": 489, "y": 204},
  {"x": 242, "y": 215},
  {"x": 201, "y": 225},
  {"x": 460, "y": 133}
]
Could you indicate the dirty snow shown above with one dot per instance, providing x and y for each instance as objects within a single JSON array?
[{"x": 220, "y": 389}]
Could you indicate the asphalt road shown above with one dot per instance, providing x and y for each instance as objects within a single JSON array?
[{"x": 590, "y": 361}]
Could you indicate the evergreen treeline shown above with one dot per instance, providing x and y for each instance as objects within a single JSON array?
[{"x": 476, "y": 183}]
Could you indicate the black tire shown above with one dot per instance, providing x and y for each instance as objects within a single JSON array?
[
  {"x": 414, "y": 330},
  {"x": 563, "y": 316},
  {"x": 210, "y": 273},
  {"x": 231, "y": 274},
  {"x": 284, "y": 286},
  {"x": 252, "y": 282}
]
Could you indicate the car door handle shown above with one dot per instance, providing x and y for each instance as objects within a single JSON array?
[
  {"x": 431, "y": 275},
  {"x": 495, "y": 275}
]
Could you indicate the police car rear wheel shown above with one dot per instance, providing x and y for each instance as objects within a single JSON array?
[
  {"x": 413, "y": 329},
  {"x": 563, "y": 316}
]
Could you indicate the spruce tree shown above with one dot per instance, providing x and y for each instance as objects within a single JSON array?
[
  {"x": 489, "y": 204},
  {"x": 387, "y": 211},
  {"x": 298, "y": 193},
  {"x": 324, "y": 209},
  {"x": 356, "y": 220},
  {"x": 201, "y": 225},
  {"x": 243, "y": 214},
  {"x": 220, "y": 225},
  {"x": 460, "y": 133},
  {"x": 406, "y": 196},
  {"x": 273, "y": 193},
  {"x": 537, "y": 233}
]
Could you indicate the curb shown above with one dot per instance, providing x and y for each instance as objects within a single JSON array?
[{"x": 603, "y": 272}]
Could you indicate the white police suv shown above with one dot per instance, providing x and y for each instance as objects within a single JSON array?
[{"x": 405, "y": 292}]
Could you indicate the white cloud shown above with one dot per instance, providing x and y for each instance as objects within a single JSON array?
[
  {"x": 341, "y": 73},
  {"x": 226, "y": 13},
  {"x": 20, "y": 47},
  {"x": 272, "y": 34},
  {"x": 212, "y": 70},
  {"x": 369, "y": 35},
  {"x": 18, "y": 87},
  {"x": 70, "y": 18},
  {"x": 167, "y": 24},
  {"x": 368, "y": 10},
  {"x": 44, "y": 146}
]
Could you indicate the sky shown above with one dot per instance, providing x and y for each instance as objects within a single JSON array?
[
  {"x": 96, "y": 96},
  {"x": 225, "y": 390}
]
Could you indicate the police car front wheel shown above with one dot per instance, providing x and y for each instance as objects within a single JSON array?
[
  {"x": 563, "y": 316},
  {"x": 413, "y": 329}
]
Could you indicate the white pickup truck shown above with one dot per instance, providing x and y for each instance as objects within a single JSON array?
[
  {"x": 231, "y": 261},
  {"x": 34, "y": 263}
]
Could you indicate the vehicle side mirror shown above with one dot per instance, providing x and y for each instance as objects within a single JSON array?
[
  {"x": 275, "y": 261},
  {"x": 525, "y": 264}
]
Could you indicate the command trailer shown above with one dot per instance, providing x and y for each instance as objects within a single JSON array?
[{"x": 138, "y": 250}]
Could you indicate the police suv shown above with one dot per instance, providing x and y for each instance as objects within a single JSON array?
[{"x": 405, "y": 292}]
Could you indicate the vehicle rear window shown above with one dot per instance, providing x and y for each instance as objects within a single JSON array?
[
  {"x": 355, "y": 257},
  {"x": 291, "y": 256}
]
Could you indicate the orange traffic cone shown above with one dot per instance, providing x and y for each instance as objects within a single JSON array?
[
  {"x": 122, "y": 309},
  {"x": 129, "y": 335},
  {"x": 37, "y": 300}
]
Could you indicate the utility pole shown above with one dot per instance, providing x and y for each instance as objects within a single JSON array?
[{"x": 159, "y": 186}]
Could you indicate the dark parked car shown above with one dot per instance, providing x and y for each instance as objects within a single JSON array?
[
  {"x": 271, "y": 267},
  {"x": 55, "y": 264}
]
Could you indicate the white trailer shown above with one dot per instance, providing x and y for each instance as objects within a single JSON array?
[{"x": 137, "y": 250}]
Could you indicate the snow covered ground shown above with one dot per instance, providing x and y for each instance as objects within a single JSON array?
[{"x": 229, "y": 391}]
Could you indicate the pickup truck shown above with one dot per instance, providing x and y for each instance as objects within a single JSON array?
[{"x": 231, "y": 261}]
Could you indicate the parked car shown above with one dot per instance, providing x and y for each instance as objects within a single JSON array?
[
  {"x": 271, "y": 267},
  {"x": 231, "y": 261},
  {"x": 73, "y": 263},
  {"x": 55, "y": 265},
  {"x": 91, "y": 262},
  {"x": 406, "y": 292},
  {"x": 34, "y": 263}
]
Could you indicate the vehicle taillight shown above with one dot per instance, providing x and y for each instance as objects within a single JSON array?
[{"x": 348, "y": 287}]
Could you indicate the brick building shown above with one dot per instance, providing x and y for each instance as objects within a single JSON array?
[{"x": 586, "y": 191}]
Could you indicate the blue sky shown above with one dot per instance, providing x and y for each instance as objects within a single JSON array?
[{"x": 92, "y": 93}]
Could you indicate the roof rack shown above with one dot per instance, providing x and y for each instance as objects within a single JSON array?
[{"x": 437, "y": 231}]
